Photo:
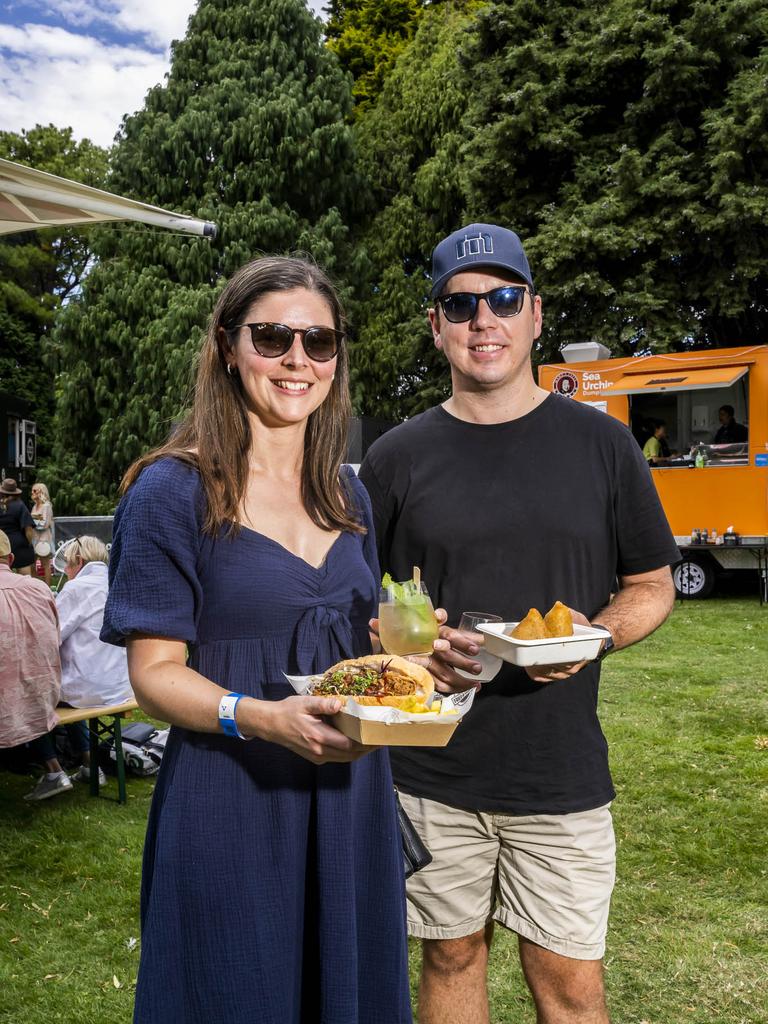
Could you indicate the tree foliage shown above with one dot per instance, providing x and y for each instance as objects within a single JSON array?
[
  {"x": 39, "y": 270},
  {"x": 250, "y": 131},
  {"x": 409, "y": 150},
  {"x": 627, "y": 143},
  {"x": 368, "y": 36}
]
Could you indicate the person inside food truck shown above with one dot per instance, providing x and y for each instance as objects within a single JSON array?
[
  {"x": 656, "y": 450},
  {"x": 730, "y": 432}
]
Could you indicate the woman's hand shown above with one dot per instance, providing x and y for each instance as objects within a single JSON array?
[
  {"x": 298, "y": 724},
  {"x": 168, "y": 689}
]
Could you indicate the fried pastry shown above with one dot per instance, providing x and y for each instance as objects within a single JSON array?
[
  {"x": 558, "y": 620},
  {"x": 531, "y": 627}
]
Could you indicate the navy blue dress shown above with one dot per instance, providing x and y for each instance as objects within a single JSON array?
[{"x": 272, "y": 889}]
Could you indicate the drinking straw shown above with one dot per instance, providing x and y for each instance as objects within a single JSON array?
[{"x": 417, "y": 577}]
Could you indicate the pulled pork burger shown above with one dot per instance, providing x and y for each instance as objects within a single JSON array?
[{"x": 378, "y": 679}]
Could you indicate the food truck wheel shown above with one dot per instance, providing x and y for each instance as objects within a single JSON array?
[{"x": 694, "y": 578}]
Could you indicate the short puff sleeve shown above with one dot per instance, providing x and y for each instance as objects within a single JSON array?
[{"x": 153, "y": 578}]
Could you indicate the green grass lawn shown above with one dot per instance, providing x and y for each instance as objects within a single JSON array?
[{"x": 686, "y": 715}]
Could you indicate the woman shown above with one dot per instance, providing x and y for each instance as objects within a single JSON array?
[
  {"x": 273, "y": 886},
  {"x": 42, "y": 514},
  {"x": 19, "y": 525}
]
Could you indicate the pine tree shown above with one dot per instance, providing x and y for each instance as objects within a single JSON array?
[
  {"x": 627, "y": 143},
  {"x": 249, "y": 130}
]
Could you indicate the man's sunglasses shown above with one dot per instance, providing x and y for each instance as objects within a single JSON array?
[
  {"x": 462, "y": 306},
  {"x": 273, "y": 340}
]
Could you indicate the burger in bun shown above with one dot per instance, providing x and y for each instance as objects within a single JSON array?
[{"x": 378, "y": 680}]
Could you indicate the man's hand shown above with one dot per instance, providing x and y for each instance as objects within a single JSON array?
[
  {"x": 548, "y": 673},
  {"x": 643, "y": 602},
  {"x": 451, "y": 651}
]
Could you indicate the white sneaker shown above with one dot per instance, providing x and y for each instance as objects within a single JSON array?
[
  {"x": 50, "y": 785},
  {"x": 83, "y": 774}
]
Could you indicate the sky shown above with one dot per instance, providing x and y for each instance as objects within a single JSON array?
[{"x": 83, "y": 64}]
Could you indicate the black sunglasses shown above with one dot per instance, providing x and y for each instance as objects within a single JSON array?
[
  {"x": 273, "y": 340},
  {"x": 462, "y": 306}
]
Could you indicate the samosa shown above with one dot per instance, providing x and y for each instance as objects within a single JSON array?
[
  {"x": 558, "y": 620},
  {"x": 531, "y": 627}
]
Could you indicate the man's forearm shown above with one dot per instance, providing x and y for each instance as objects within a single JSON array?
[{"x": 638, "y": 609}]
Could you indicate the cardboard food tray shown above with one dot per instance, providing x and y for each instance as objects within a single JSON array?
[
  {"x": 387, "y": 727},
  {"x": 584, "y": 645}
]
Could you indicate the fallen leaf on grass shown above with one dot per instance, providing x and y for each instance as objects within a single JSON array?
[
  {"x": 14, "y": 939},
  {"x": 761, "y": 742},
  {"x": 48, "y": 977},
  {"x": 115, "y": 982},
  {"x": 132, "y": 943}
]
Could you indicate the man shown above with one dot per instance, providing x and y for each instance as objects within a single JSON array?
[
  {"x": 509, "y": 498},
  {"x": 30, "y": 671},
  {"x": 729, "y": 432}
]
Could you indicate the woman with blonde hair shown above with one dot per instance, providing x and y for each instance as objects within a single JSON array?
[
  {"x": 273, "y": 876},
  {"x": 42, "y": 513}
]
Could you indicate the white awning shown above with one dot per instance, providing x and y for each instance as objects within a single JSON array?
[{"x": 31, "y": 199}]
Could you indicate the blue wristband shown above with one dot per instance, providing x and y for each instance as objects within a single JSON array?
[{"x": 227, "y": 708}]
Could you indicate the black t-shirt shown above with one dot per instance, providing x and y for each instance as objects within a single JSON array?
[
  {"x": 14, "y": 519},
  {"x": 501, "y": 518},
  {"x": 731, "y": 433}
]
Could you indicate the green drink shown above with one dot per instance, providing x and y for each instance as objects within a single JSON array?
[{"x": 407, "y": 623}]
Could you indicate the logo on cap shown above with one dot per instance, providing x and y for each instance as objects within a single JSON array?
[{"x": 480, "y": 244}]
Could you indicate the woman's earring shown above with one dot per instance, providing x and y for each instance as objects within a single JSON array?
[
  {"x": 229, "y": 369},
  {"x": 333, "y": 378}
]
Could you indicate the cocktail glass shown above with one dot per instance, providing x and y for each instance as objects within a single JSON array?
[
  {"x": 407, "y": 623},
  {"x": 490, "y": 663}
]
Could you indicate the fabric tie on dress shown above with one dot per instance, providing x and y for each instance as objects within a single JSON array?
[{"x": 323, "y": 637}]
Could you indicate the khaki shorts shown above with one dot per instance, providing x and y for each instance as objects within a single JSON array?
[{"x": 548, "y": 877}]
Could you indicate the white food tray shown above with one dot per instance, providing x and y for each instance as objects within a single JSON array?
[{"x": 584, "y": 645}]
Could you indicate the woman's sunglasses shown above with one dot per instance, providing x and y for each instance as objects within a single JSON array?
[
  {"x": 462, "y": 306},
  {"x": 273, "y": 340}
]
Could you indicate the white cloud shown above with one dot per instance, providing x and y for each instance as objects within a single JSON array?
[
  {"x": 159, "y": 21},
  {"x": 74, "y": 76},
  {"x": 58, "y": 77}
]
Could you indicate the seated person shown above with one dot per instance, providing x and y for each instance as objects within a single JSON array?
[
  {"x": 92, "y": 672},
  {"x": 730, "y": 432},
  {"x": 30, "y": 671},
  {"x": 656, "y": 449}
]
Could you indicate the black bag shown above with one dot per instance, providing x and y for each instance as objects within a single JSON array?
[{"x": 415, "y": 854}]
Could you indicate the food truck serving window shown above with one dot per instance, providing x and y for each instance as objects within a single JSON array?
[
  {"x": 678, "y": 380},
  {"x": 703, "y": 413}
]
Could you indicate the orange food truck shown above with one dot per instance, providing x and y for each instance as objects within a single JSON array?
[{"x": 714, "y": 489}]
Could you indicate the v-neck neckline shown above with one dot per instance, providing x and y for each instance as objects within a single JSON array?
[{"x": 315, "y": 568}]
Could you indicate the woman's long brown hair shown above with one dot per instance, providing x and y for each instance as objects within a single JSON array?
[{"x": 215, "y": 437}]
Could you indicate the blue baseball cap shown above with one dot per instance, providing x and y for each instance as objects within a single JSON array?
[{"x": 478, "y": 245}]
